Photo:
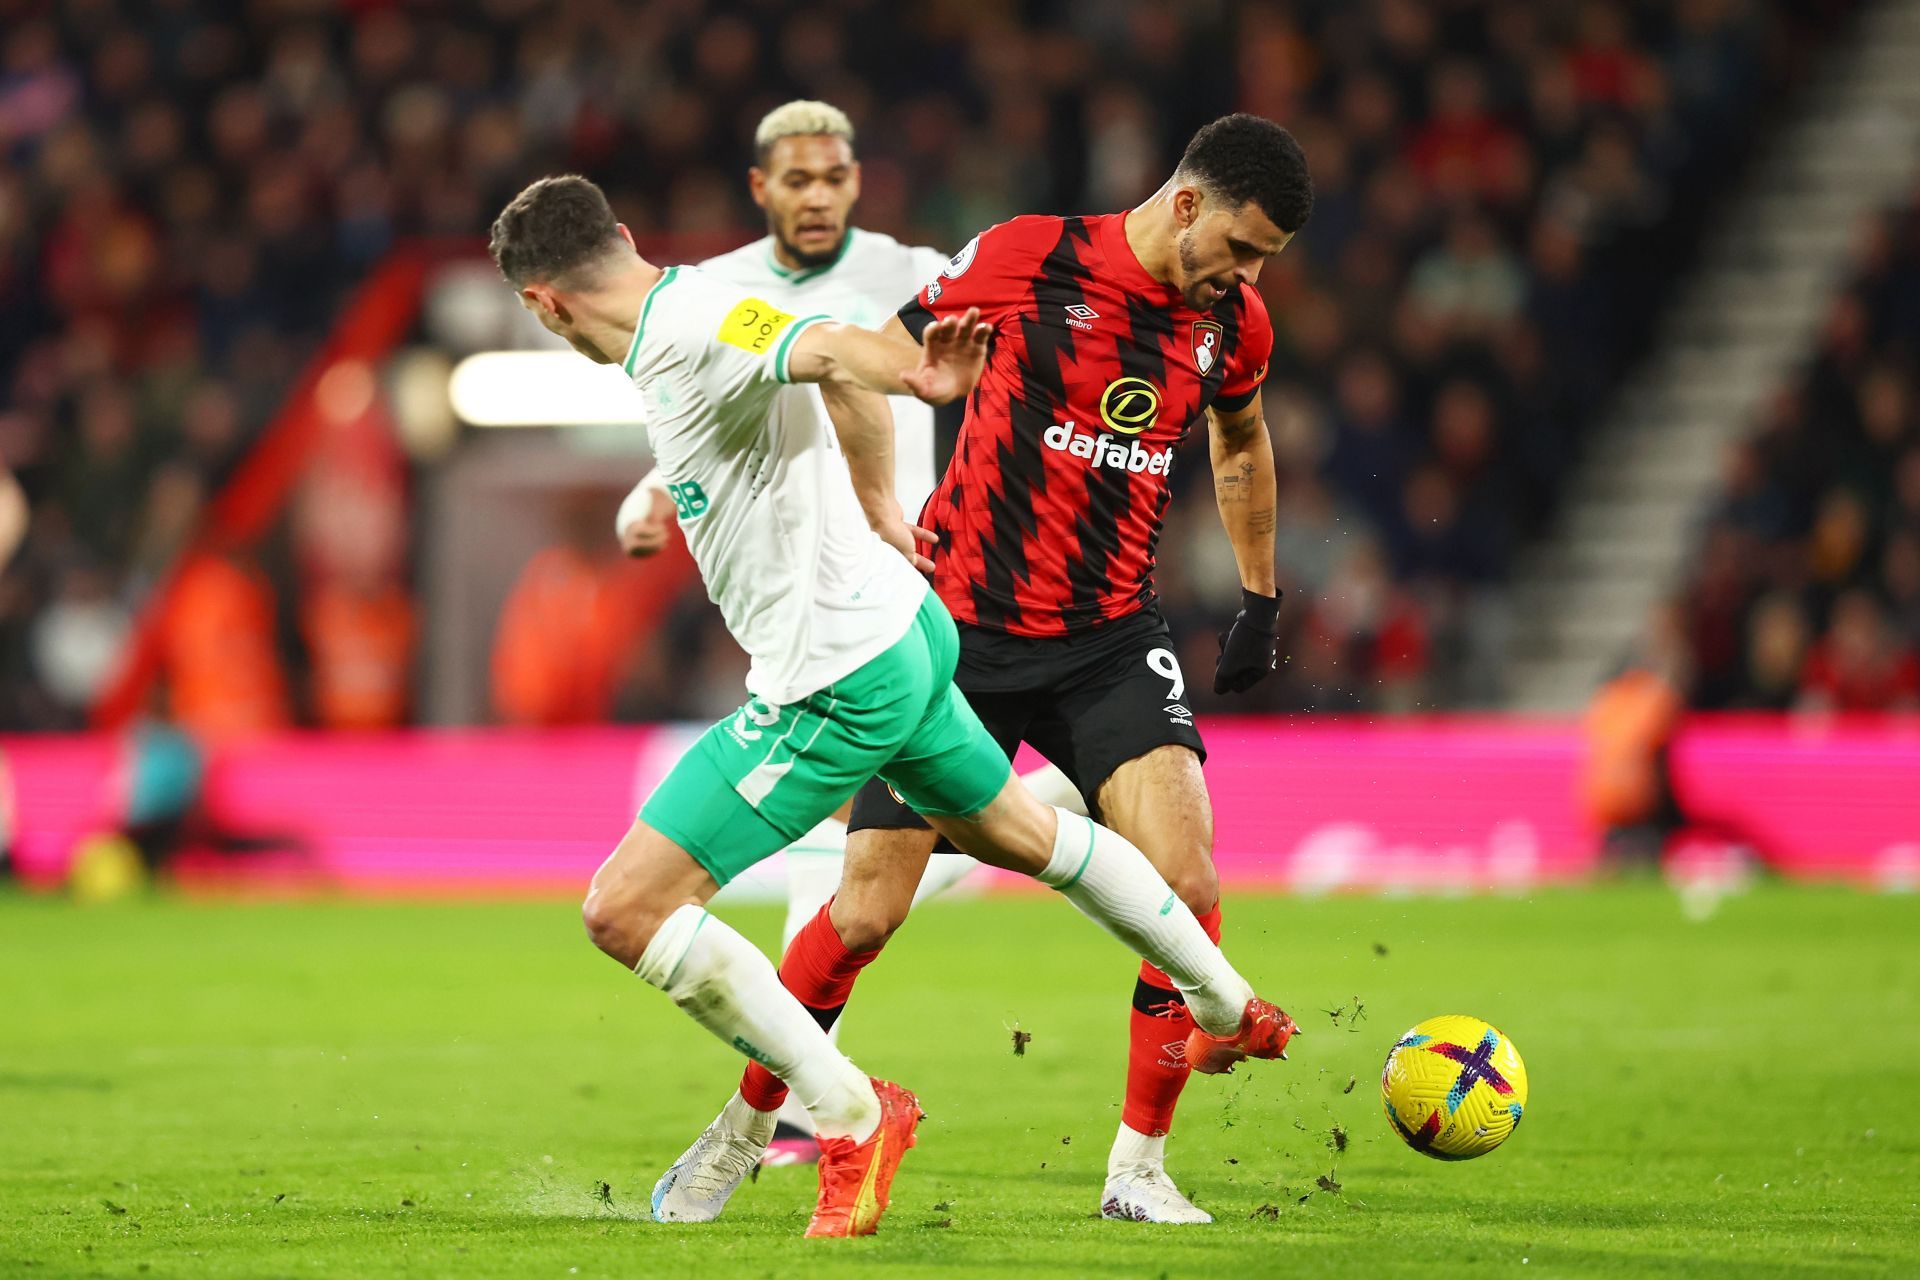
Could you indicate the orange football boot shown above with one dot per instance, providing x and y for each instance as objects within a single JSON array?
[
  {"x": 1264, "y": 1031},
  {"x": 856, "y": 1176}
]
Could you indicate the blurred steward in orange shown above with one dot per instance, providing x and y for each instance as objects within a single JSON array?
[{"x": 560, "y": 650}]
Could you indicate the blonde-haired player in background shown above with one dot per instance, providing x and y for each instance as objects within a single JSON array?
[{"x": 813, "y": 261}]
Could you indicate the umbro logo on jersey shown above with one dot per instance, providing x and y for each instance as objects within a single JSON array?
[
  {"x": 1080, "y": 316},
  {"x": 1179, "y": 714}
]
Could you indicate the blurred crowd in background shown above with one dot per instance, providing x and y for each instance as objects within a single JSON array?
[
  {"x": 1807, "y": 590},
  {"x": 1504, "y": 190}
]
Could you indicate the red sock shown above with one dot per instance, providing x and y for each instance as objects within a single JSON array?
[
  {"x": 820, "y": 971},
  {"x": 1157, "y": 1067}
]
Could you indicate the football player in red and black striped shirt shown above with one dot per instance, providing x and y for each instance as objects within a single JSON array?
[{"x": 1114, "y": 336}]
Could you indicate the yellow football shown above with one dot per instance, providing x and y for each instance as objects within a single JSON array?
[{"x": 1454, "y": 1087}]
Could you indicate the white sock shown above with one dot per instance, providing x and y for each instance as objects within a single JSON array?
[
  {"x": 723, "y": 983},
  {"x": 1050, "y": 786},
  {"x": 743, "y": 1117},
  {"x": 791, "y": 1112},
  {"x": 1112, "y": 883},
  {"x": 1130, "y": 1146},
  {"x": 944, "y": 870},
  {"x": 813, "y": 873}
]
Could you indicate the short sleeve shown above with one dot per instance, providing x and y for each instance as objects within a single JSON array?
[
  {"x": 732, "y": 338},
  {"x": 752, "y": 335},
  {"x": 994, "y": 271},
  {"x": 1252, "y": 349}
]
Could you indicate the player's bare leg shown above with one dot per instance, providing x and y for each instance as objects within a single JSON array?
[
  {"x": 883, "y": 874},
  {"x": 877, "y": 885},
  {"x": 1111, "y": 882},
  {"x": 1159, "y": 801},
  {"x": 645, "y": 909},
  {"x": 813, "y": 865},
  {"x": 825, "y": 948},
  {"x": 1103, "y": 875}
]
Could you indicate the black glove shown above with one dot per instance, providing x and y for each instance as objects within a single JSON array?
[{"x": 1248, "y": 651}]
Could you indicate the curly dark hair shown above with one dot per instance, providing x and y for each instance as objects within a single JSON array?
[
  {"x": 551, "y": 230},
  {"x": 1246, "y": 157}
]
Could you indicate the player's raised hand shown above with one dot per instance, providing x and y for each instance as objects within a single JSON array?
[{"x": 953, "y": 351}]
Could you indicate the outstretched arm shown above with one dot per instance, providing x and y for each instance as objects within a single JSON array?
[
  {"x": 943, "y": 367},
  {"x": 863, "y": 420}
]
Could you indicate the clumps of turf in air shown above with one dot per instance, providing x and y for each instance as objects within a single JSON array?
[{"x": 1353, "y": 1013}]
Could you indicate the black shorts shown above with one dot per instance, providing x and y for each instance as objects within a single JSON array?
[{"x": 1088, "y": 702}]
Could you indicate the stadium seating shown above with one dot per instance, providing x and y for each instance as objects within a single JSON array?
[
  {"x": 1806, "y": 590},
  {"x": 1504, "y": 188}
]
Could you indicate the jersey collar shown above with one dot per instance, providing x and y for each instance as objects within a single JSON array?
[
  {"x": 791, "y": 276},
  {"x": 646, "y": 309}
]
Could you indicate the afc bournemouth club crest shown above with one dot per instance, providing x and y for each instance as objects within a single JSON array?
[{"x": 1206, "y": 345}]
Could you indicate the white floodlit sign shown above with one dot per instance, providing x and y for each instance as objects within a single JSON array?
[{"x": 541, "y": 389}]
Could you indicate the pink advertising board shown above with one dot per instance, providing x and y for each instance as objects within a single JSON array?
[{"x": 1311, "y": 805}]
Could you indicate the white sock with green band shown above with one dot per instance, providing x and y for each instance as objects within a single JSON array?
[
  {"x": 725, "y": 984},
  {"x": 1114, "y": 885}
]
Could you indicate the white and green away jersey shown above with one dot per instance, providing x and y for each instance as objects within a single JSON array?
[
  {"x": 873, "y": 277},
  {"x": 761, "y": 488}
]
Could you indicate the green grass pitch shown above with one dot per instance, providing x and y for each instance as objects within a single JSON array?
[{"x": 340, "y": 1089}]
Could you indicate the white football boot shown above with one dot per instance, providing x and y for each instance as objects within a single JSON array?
[
  {"x": 697, "y": 1185},
  {"x": 1141, "y": 1191}
]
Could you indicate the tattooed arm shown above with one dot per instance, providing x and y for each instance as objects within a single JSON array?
[{"x": 1243, "y": 485}]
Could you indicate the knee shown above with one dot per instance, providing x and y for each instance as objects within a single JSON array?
[
  {"x": 619, "y": 927},
  {"x": 1197, "y": 884},
  {"x": 865, "y": 922}
]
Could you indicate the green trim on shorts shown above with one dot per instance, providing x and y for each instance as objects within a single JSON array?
[
  {"x": 695, "y": 807},
  {"x": 764, "y": 777}
]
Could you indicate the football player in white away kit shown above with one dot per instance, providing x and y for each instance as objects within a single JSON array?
[
  {"x": 812, "y": 262},
  {"x": 852, "y": 676}
]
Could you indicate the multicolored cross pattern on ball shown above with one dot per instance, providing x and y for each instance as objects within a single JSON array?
[{"x": 1432, "y": 1074}]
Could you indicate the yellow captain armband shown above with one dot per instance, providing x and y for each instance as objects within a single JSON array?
[{"x": 754, "y": 326}]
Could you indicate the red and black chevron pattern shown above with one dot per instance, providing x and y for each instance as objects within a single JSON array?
[{"x": 1051, "y": 510}]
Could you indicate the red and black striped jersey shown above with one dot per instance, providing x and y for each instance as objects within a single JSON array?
[{"x": 1050, "y": 511}]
